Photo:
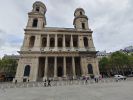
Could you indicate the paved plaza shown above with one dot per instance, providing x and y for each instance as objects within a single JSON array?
[{"x": 97, "y": 91}]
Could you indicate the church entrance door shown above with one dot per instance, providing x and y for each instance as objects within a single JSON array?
[{"x": 60, "y": 71}]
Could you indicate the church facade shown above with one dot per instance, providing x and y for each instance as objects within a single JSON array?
[{"x": 57, "y": 53}]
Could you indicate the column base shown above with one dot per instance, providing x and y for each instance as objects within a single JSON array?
[
  {"x": 64, "y": 76},
  {"x": 55, "y": 78},
  {"x": 18, "y": 79},
  {"x": 74, "y": 77},
  {"x": 83, "y": 75}
]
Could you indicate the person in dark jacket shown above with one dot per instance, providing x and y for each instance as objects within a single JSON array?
[
  {"x": 45, "y": 82},
  {"x": 49, "y": 82}
]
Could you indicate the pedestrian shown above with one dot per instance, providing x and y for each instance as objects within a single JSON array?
[
  {"x": 49, "y": 82},
  {"x": 45, "y": 83},
  {"x": 100, "y": 77},
  {"x": 15, "y": 81},
  {"x": 96, "y": 78},
  {"x": 86, "y": 80}
]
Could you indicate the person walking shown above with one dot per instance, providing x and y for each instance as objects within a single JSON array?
[
  {"x": 96, "y": 78},
  {"x": 15, "y": 81},
  {"x": 49, "y": 82},
  {"x": 86, "y": 80},
  {"x": 45, "y": 83}
]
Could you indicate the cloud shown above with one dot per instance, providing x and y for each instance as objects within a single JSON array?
[{"x": 110, "y": 20}]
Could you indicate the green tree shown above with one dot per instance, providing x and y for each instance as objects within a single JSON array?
[
  {"x": 119, "y": 61},
  {"x": 103, "y": 64},
  {"x": 8, "y": 66}
]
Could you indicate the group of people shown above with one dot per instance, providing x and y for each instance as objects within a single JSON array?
[
  {"x": 96, "y": 78},
  {"x": 47, "y": 82}
]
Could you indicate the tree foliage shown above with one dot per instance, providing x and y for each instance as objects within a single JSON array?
[
  {"x": 117, "y": 63},
  {"x": 8, "y": 66}
]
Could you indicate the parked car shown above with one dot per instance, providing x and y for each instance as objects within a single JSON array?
[{"x": 120, "y": 77}]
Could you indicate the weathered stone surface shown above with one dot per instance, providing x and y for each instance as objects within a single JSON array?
[{"x": 41, "y": 43}]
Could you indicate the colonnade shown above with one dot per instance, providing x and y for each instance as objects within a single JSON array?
[
  {"x": 74, "y": 41},
  {"x": 63, "y": 41},
  {"x": 63, "y": 67}
]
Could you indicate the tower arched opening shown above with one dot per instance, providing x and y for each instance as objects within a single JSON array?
[
  {"x": 27, "y": 70},
  {"x": 35, "y": 22},
  {"x": 75, "y": 41},
  {"x": 60, "y": 42},
  {"x": 67, "y": 40},
  {"x": 85, "y": 42},
  {"x": 44, "y": 41},
  {"x": 52, "y": 42}
]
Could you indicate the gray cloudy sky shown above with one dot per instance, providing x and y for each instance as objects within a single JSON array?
[{"x": 111, "y": 21}]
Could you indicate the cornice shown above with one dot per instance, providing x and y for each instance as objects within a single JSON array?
[{"x": 50, "y": 29}]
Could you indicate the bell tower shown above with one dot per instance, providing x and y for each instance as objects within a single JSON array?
[
  {"x": 37, "y": 19},
  {"x": 81, "y": 20}
]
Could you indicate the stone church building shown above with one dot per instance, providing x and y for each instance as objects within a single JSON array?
[{"x": 57, "y": 53}]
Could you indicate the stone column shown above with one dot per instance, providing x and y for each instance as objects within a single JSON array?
[
  {"x": 71, "y": 41},
  {"x": 34, "y": 70},
  {"x": 26, "y": 42},
  {"x": 73, "y": 67},
  {"x": 46, "y": 68},
  {"x": 64, "y": 44},
  {"x": 48, "y": 41},
  {"x": 56, "y": 41},
  {"x": 55, "y": 67},
  {"x": 79, "y": 44},
  {"x": 82, "y": 66},
  {"x": 37, "y": 43},
  {"x": 91, "y": 44},
  {"x": 64, "y": 67}
]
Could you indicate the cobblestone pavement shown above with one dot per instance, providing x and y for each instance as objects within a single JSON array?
[{"x": 76, "y": 90}]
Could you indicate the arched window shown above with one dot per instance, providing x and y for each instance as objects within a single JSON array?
[
  {"x": 85, "y": 41},
  {"x": 35, "y": 22},
  {"x": 27, "y": 70},
  {"x": 44, "y": 42},
  {"x": 37, "y": 9},
  {"x": 32, "y": 41},
  {"x": 60, "y": 42},
  {"x": 83, "y": 25},
  {"x": 80, "y": 13},
  {"x": 52, "y": 42},
  {"x": 75, "y": 41},
  {"x": 90, "y": 69},
  {"x": 67, "y": 41}
]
